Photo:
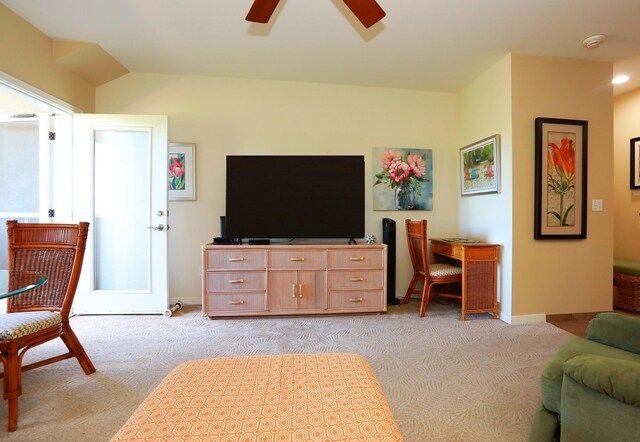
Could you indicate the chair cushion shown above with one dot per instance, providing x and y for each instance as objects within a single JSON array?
[
  {"x": 444, "y": 270},
  {"x": 17, "y": 325}
]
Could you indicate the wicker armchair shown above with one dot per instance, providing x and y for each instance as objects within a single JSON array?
[
  {"x": 429, "y": 274},
  {"x": 42, "y": 314}
]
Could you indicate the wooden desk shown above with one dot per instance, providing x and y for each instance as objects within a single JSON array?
[{"x": 479, "y": 273}]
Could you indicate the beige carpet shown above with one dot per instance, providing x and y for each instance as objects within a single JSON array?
[{"x": 445, "y": 380}]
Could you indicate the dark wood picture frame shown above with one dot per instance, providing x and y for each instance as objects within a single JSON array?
[
  {"x": 560, "y": 178},
  {"x": 634, "y": 163}
]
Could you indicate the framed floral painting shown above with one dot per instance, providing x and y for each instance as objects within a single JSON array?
[
  {"x": 480, "y": 167},
  {"x": 403, "y": 179},
  {"x": 182, "y": 172},
  {"x": 560, "y": 179}
]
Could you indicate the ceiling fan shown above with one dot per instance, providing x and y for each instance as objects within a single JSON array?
[{"x": 368, "y": 12}]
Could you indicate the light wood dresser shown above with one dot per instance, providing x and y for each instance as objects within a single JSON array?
[{"x": 267, "y": 280}]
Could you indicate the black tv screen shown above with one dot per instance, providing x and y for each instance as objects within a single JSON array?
[{"x": 294, "y": 196}]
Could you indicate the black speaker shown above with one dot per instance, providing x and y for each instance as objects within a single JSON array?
[
  {"x": 222, "y": 239},
  {"x": 223, "y": 227},
  {"x": 389, "y": 238}
]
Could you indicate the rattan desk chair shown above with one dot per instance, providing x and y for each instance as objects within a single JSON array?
[
  {"x": 428, "y": 274},
  {"x": 42, "y": 314}
]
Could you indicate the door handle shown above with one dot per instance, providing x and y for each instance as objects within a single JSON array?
[{"x": 159, "y": 227}]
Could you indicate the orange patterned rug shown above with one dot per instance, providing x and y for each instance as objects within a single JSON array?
[{"x": 300, "y": 397}]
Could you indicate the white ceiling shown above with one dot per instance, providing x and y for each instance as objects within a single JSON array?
[{"x": 432, "y": 45}]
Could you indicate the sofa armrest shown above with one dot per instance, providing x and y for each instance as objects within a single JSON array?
[
  {"x": 598, "y": 394},
  {"x": 615, "y": 330},
  {"x": 616, "y": 378}
]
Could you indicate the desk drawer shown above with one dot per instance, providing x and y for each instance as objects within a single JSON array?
[
  {"x": 225, "y": 281},
  {"x": 356, "y": 279},
  {"x": 448, "y": 249}
]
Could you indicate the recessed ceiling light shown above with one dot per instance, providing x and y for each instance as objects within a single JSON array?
[{"x": 618, "y": 79}]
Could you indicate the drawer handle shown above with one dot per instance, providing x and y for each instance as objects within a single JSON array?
[
  {"x": 356, "y": 299},
  {"x": 236, "y": 302},
  {"x": 356, "y": 279},
  {"x": 296, "y": 259},
  {"x": 236, "y": 259},
  {"x": 358, "y": 258},
  {"x": 236, "y": 281}
]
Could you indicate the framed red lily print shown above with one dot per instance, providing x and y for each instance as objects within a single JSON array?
[
  {"x": 635, "y": 163},
  {"x": 560, "y": 179}
]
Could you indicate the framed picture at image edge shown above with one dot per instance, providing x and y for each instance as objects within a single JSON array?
[
  {"x": 635, "y": 163},
  {"x": 480, "y": 167},
  {"x": 181, "y": 172},
  {"x": 560, "y": 209}
]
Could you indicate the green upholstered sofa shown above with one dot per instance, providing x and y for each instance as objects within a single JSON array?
[{"x": 591, "y": 387}]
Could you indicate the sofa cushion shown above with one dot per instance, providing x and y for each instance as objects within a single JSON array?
[
  {"x": 589, "y": 416},
  {"x": 551, "y": 378},
  {"x": 627, "y": 267},
  {"x": 615, "y": 330},
  {"x": 615, "y": 378}
]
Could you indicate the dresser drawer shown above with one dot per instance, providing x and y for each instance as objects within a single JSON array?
[
  {"x": 236, "y": 259},
  {"x": 355, "y": 258},
  {"x": 236, "y": 302},
  {"x": 355, "y": 279},
  {"x": 225, "y": 281},
  {"x": 296, "y": 259},
  {"x": 356, "y": 299}
]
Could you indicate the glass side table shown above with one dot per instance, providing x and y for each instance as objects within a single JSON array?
[{"x": 15, "y": 282}]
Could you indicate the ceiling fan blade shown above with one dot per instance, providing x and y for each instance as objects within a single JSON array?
[
  {"x": 261, "y": 10},
  {"x": 368, "y": 12}
]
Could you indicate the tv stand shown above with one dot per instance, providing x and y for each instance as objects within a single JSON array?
[
  {"x": 271, "y": 280},
  {"x": 353, "y": 241}
]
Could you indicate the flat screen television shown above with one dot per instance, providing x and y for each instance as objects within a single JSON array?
[{"x": 294, "y": 196}]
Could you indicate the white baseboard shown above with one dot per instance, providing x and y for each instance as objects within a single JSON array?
[{"x": 523, "y": 319}]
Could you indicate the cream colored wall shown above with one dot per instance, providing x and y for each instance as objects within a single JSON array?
[
  {"x": 627, "y": 201},
  {"x": 562, "y": 276},
  {"x": 485, "y": 110},
  {"x": 25, "y": 54},
  {"x": 237, "y": 116}
]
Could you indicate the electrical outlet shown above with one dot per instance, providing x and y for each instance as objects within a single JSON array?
[{"x": 596, "y": 205}]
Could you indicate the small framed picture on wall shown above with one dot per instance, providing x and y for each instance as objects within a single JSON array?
[
  {"x": 182, "y": 172},
  {"x": 480, "y": 167}
]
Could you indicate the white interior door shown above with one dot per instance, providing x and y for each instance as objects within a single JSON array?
[{"x": 120, "y": 187}]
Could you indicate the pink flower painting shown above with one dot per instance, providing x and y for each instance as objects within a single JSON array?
[{"x": 402, "y": 179}]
